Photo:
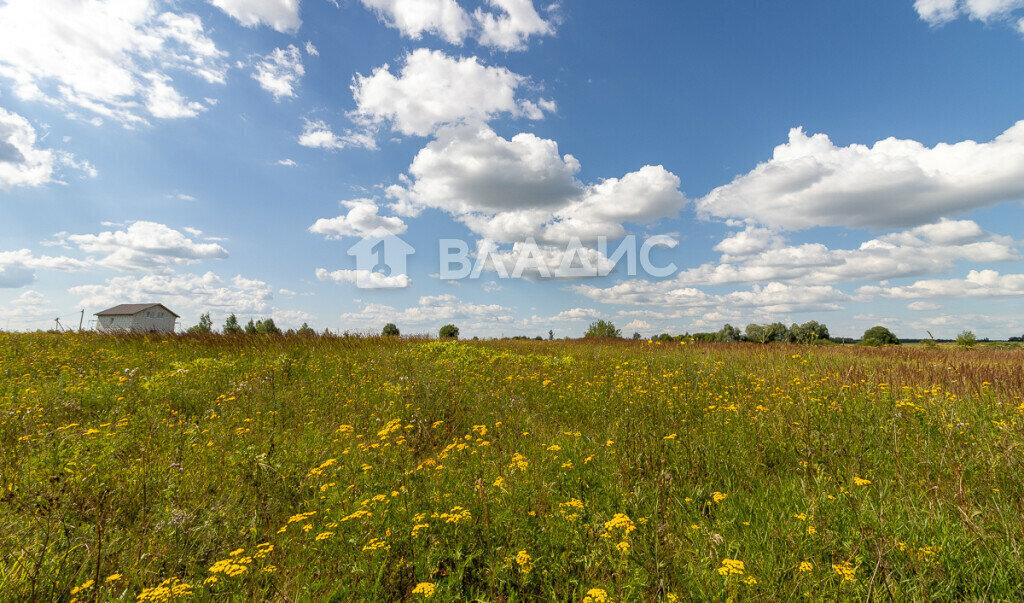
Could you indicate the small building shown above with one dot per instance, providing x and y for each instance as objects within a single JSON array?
[{"x": 136, "y": 318}]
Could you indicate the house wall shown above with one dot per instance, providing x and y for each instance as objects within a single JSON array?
[
  {"x": 115, "y": 323},
  {"x": 160, "y": 325},
  {"x": 138, "y": 323}
]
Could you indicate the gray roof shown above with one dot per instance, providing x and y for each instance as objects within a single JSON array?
[{"x": 131, "y": 309}]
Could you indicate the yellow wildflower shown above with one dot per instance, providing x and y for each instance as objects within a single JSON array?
[
  {"x": 524, "y": 561},
  {"x": 847, "y": 571},
  {"x": 84, "y": 586},
  {"x": 731, "y": 567}
]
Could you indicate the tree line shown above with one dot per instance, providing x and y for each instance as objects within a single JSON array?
[
  {"x": 264, "y": 326},
  {"x": 807, "y": 333}
]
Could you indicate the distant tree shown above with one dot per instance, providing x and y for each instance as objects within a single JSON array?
[
  {"x": 767, "y": 333},
  {"x": 756, "y": 333},
  {"x": 390, "y": 330},
  {"x": 205, "y": 325},
  {"x": 267, "y": 327},
  {"x": 305, "y": 331},
  {"x": 729, "y": 333},
  {"x": 779, "y": 332},
  {"x": 602, "y": 329},
  {"x": 879, "y": 335},
  {"x": 449, "y": 332},
  {"x": 966, "y": 340},
  {"x": 665, "y": 338},
  {"x": 636, "y": 336},
  {"x": 809, "y": 332},
  {"x": 250, "y": 328},
  {"x": 1016, "y": 339},
  {"x": 705, "y": 337},
  {"x": 551, "y": 335},
  {"x": 817, "y": 330},
  {"x": 289, "y": 332},
  {"x": 231, "y": 326}
]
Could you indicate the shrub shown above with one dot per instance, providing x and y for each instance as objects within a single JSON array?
[
  {"x": 602, "y": 329},
  {"x": 449, "y": 332},
  {"x": 966, "y": 340},
  {"x": 879, "y": 335},
  {"x": 390, "y": 330}
]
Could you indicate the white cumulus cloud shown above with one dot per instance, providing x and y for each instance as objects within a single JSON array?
[
  {"x": 109, "y": 58},
  {"x": 977, "y": 283},
  {"x": 430, "y": 310},
  {"x": 365, "y": 278},
  {"x": 18, "y": 267},
  {"x": 919, "y": 251},
  {"x": 280, "y": 71},
  {"x": 145, "y": 246},
  {"x": 361, "y": 220},
  {"x": 179, "y": 292},
  {"x": 282, "y": 15},
  {"x": 812, "y": 182},
  {"x": 433, "y": 89},
  {"x": 938, "y": 12},
  {"x": 413, "y": 18},
  {"x": 500, "y": 24},
  {"x": 507, "y": 190},
  {"x": 512, "y": 25},
  {"x": 318, "y": 135},
  {"x": 22, "y": 163}
]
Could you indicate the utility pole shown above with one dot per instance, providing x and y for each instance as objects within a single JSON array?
[
  {"x": 59, "y": 328},
  {"x": 81, "y": 319}
]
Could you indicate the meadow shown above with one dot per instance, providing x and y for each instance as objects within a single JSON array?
[{"x": 320, "y": 468}]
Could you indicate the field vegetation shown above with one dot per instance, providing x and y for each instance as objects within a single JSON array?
[{"x": 266, "y": 467}]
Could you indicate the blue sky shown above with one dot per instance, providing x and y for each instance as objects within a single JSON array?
[{"x": 854, "y": 163}]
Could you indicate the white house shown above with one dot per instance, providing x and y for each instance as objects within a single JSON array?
[{"x": 136, "y": 318}]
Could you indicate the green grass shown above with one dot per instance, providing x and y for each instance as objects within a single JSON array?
[{"x": 828, "y": 472}]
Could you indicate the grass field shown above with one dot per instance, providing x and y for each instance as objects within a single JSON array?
[{"x": 291, "y": 469}]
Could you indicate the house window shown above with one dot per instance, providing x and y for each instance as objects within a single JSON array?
[
  {"x": 159, "y": 314},
  {"x": 149, "y": 315}
]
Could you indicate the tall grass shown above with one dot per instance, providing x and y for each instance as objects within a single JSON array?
[{"x": 346, "y": 468}]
